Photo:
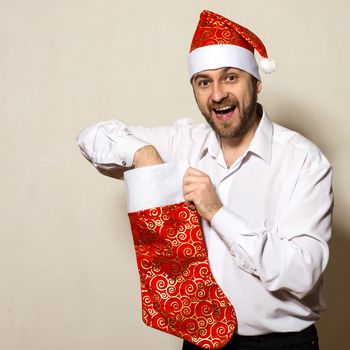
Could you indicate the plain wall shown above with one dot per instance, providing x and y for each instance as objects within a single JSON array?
[{"x": 68, "y": 277}]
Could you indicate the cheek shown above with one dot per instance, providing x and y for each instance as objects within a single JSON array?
[
  {"x": 202, "y": 101},
  {"x": 246, "y": 98}
]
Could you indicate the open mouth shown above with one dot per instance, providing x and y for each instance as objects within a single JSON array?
[{"x": 224, "y": 111}]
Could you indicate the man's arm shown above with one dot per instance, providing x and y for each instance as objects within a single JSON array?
[
  {"x": 111, "y": 145},
  {"x": 294, "y": 257},
  {"x": 145, "y": 156}
]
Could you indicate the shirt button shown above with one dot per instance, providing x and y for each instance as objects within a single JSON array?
[{"x": 124, "y": 163}]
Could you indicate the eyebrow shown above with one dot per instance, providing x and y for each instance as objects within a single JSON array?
[
  {"x": 201, "y": 76},
  {"x": 206, "y": 76}
]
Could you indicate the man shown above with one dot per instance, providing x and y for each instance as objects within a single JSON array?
[{"x": 263, "y": 192}]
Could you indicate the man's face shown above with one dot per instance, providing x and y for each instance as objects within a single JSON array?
[{"x": 227, "y": 98}]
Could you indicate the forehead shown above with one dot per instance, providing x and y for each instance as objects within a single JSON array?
[{"x": 217, "y": 72}]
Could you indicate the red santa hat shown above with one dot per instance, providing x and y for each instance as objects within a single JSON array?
[{"x": 219, "y": 42}]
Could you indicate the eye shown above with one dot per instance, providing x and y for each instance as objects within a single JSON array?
[
  {"x": 231, "y": 77},
  {"x": 203, "y": 83}
]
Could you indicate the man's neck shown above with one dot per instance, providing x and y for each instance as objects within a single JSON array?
[{"x": 233, "y": 148}]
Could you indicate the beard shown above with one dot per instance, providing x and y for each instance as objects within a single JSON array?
[{"x": 245, "y": 120}]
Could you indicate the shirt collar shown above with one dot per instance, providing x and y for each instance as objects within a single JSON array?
[
  {"x": 212, "y": 146},
  {"x": 260, "y": 145}
]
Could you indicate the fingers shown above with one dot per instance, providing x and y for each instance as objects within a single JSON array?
[
  {"x": 195, "y": 185},
  {"x": 191, "y": 205},
  {"x": 114, "y": 171},
  {"x": 199, "y": 191},
  {"x": 192, "y": 176},
  {"x": 146, "y": 156},
  {"x": 194, "y": 172},
  {"x": 189, "y": 193}
]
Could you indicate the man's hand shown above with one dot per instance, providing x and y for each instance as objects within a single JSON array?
[
  {"x": 112, "y": 170},
  {"x": 200, "y": 192},
  {"x": 147, "y": 155}
]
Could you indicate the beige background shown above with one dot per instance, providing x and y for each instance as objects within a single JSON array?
[{"x": 68, "y": 277}]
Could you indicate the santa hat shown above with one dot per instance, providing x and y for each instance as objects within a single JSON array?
[{"x": 219, "y": 42}]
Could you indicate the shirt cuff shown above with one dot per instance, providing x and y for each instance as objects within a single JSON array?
[
  {"x": 155, "y": 186},
  {"x": 126, "y": 148},
  {"x": 233, "y": 230},
  {"x": 108, "y": 143}
]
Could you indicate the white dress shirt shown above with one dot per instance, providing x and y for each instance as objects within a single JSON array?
[{"x": 267, "y": 245}]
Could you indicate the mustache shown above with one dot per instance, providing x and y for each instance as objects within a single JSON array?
[{"x": 229, "y": 101}]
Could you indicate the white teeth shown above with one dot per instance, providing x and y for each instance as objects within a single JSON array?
[{"x": 224, "y": 108}]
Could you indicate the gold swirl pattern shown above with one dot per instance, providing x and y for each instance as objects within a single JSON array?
[
  {"x": 179, "y": 293},
  {"x": 213, "y": 29}
]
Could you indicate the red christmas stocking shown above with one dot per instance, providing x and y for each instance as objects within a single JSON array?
[{"x": 179, "y": 293}]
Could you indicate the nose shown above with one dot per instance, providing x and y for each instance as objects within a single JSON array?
[{"x": 218, "y": 93}]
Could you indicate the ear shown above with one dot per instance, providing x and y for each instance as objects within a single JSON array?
[{"x": 258, "y": 86}]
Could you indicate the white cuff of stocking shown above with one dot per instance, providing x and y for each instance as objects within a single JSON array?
[
  {"x": 155, "y": 186},
  {"x": 219, "y": 56}
]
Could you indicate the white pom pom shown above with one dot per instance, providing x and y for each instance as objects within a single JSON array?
[{"x": 267, "y": 65}]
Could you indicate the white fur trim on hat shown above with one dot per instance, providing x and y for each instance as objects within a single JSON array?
[
  {"x": 219, "y": 56},
  {"x": 267, "y": 65}
]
